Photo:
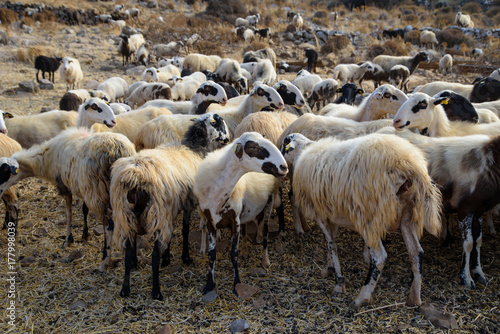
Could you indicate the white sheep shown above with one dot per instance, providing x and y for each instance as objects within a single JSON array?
[
  {"x": 350, "y": 73},
  {"x": 425, "y": 113},
  {"x": 147, "y": 92},
  {"x": 253, "y": 19},
  {"x": 298, "y": 21},
  {"x": 428, "y": 38},
  {"x": 432, "y": 88},
  {"x": 229, "y": 70},
  {"x": 162, "y": 74},
  {"x": 445, "y": 64},
  {"x": 78, "y": 163},
  {"x": 199, "y": 62},
  {"x": 324, "y": 90},
  {"x": 491, "y": 105},
  {"x": 241, "y": 22},
  {"x": 184, "y": 90},
  {"x": 134, "y": 13},
  {"x": 95, "y": 111},
  {"x": 373, "y": 185},
  {"x": 165, "y": 50},
  {"x": 387, "y": 62},
  {"x": 306, "y": 82},
  {"x": 477, "y": 53},
  {"x": 118, "y": 8},
  {"x": 463, "y": 20},
  {"x": 264, "y": 72},
  {"x": 399, "y": 76},
  {"x": 150, "y": 189},
  {"x": 168, "y": 129},
  {"x": 115, "y": 87},
  {"x": 249, "y": 35},
  {"x": 71, "y": 72},
  {"x": 8, "y": 147},
  {"x": 133, "y": 86},
  {"x": 265, "y": 53},
  {"x": 120, "y": 24},
  {"x": 237, "y": 192},
  {"x": 120, "y": 108}
]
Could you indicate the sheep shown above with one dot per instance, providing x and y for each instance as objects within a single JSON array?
[
  {"x": 72, "y": 99},
  {"x": 477, "y": 53},
  {"x": 198, "y": 62},
  {"x": 192, "y": 40},
  {"x": 47, "y": 64},
  {"x": 254, "y": 56},
  {"x": 384, "y": 100},
  {"x": 71, "y": 72},
  {"x": 311, "y": 59},
  {"x": 147, "y": 92},
  {"x": 133, "y": 86},
  {"x": 445, "y": 64},
  {"x": 463, "y": 20},
  {"x": 120, "y": 108},
  {"x": 165, "y": 50},
  {"x": 394, "y": 33},
  {"x": 486, "y": 89},
  {"x": 149, "y": 190},
  {"x": 118, "y": 8},
  {"x": 8, "y": 147},
  {"x": 235, "y": 185},
  {"x": 207, "y": 93},
  {"x": 292, "y": 97},
  {"x": 162, "y": 74},
  {"x": 348, "y": 96},
  {"x": 264, "y": 33},
  {"x": 115, "y": 87},
  {"x": 466, "y": 169},
  {"x": 324, "y": 90},
  {"x": 387, "y": 62},
  {"x": 306, "y": 82},
  {"x": 35, "y": 129},
  {"x": 249, "y": 35},
  {"x": 184, "y": 90},
  {"x": 387, "y": 186},
  {"x": 458, "y": 108},
  {"x": 95, "y": 110},
  {"x": 78, "y": 163},
  {"x": 428, "y": 38},
  {"x": 178, "y": 61},
  {"x": 253, "y": 19},
  {"x": 298, "y": 21},
  {"x": 378, "y": 76},
  {"x": 168, "y": 129},
  {"x": 134, "y": 13},
  {"x": 399, "y": 76},
  {"x": 350, "y": 73},
  {"x": 426, "y": 114},
  {"x": 491, "y": 105},
  {"x": 104, "y": 18},
  {"x": 120, "y": 24},
  {"x": 241, "y": 22},
  {"x": 264, "y": 72},
  {"x": 143, "y": 54},
  {"x": 129, "y": 46},
  {"x": 229, "y": 70}
]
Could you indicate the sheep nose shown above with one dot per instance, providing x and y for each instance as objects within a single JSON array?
[
  {"x": 113, "y": 121},
  {"x": 4, "y": 131},
  {"x": 223, "y": 102},
  {"x": 396, "y": 121},
  {"x": 284, "y": 168},
  {"x": 281, "y": 105}
]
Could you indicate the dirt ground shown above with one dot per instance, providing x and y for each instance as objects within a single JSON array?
[{"x": 60, "y": 290}]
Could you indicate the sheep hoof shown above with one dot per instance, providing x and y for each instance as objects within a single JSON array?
[
  {"x": 157, "y": 295},
  {"x": 339, "y": 289},
  {"x": 69, "y": 240},
  {"x": 125, "y": 292},
  {"x": 413, "y": 301},
  {"x": 103, "y": 267},
  {"x": 481, "y": 279},
  {"x": 85, "y": 235},
  {"x": 358, "y": 303},
  {"x": 187, "y": 260}
]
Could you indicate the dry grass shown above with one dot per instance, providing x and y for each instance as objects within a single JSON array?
[
  {"x": 7, "y": 16},
  {"x": 335, "y": 44}
]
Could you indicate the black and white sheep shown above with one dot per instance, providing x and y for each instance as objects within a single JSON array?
[
  {"x": 324, "y": 90},
  {"x": 143, "y": 54},
  {"x": 47, "y": 64},
  {"x": 305, "y": 82},
  {"x": 445, "y": 64},
  {"x": 8, "y": 147},
  {"x": 264, "y": 33},
  {"x": 254, "y": 56},
  {"x": 72, "y": 99},
  {"x": 374, "y": 184},
  {"x": 377, "y": 76},
  {"x": 147, "y": 92},
  {"x": 150, "y": 189},
  {"x": 71, "y": 73},
  {"x": 350, "y": 73},
  {"x": 78, "y": 163},
  {"x": 399, "y": 76},
  {"x": 483, "y": 90},
  {"x": 115, "y": 87},
  {"x": 233, "y": 187},
  {"x": 229, "y": 70},
  {"x": 348, "y": 94},
  {"x": 387, "y": 62}
]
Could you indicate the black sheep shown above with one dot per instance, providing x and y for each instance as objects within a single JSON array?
[
  {"x": 312, "y": 59},
  {"x": 47, "y": 64}
]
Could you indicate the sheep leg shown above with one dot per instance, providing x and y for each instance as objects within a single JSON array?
[
  {"x": 69, "y": 214},
  {"x": 473, "y": 239},
  {"x": 129, "y": 259},
  {"x": 377, "y": 261},
  {"x": 244, "y": 241},
  {"x": 489, "y": 219},
  {"x": 235, "y": 240},
  {"x": 186, "y": 218},
  {"x": 211, "y": 259},
  {"x": 37, "y": 80},
  {"x": 265, "y": 241},
  {"x": 280, "y": 211},
  {"x": 165, "y": 259},
  {"x": 109, "y": 226},
  {"x": 155, "y": 262},
  {"x": 330, "y": 232},
  {"x": 447, "y": 220},
  {"x": 203, "y": 241},
  {"x": 416, "y": 254},
  {"x": 11, "y": 209},
  {"x": 85, "y": 210}
]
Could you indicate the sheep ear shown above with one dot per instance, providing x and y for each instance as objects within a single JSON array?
[
  {"x": 14, "y": 170},
  {"x": 238, "y": 150},
  {"x": 360, "y": 91},
  {"x": 7, "y": 115},
  {"x": 339, "y": 90},
  {"x": 442, "y": 100}
]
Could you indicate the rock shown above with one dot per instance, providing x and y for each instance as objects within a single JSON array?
[
  {"x": 107, "y": 68},
  {"x": 210, "y": 297},
  {"x": 28, "y": 86},
  {"x": 98, "y": 230},
  {"x": 3, "y": 37},
  {"x": 165, "y": 330},
  {"x": 245, "y": 290},
  {"x": 257, "y": 272},
  {"x": 239, "y": 325},
  {"x": 322, "y": 36},
  {"x": 75, "y": 255},
  {"x": 78, "y": 304},
  {"x": 259, "y": 303},
  {"x": 28, "y": 224},
  {"x": 438, "y": 318},
  {"x": 46, "y": 84},
  {"x": 27, "y": 260},
  {"x": 91, "y": 84},
  {"x": 135, "y": 71},
  {"x": 81, "y": 33},
  {"x": 42, "y": 232}
]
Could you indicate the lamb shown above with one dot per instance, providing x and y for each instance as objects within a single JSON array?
[
  {"x": 72, "y": 99},
  {"x": 162, "y": 74},
  {"x": 207, "y": 93},
  {"x": 264, "y": 72},
  {"x": 264, "y": 33},
  {"x": 147, "y": 92},
  {"x": 306, "y": 82},
  {"x": 323, "y": 91},
  {"x": 235, "y": 185},
  {"x": 426, "y": 114},
  {"x": 384, "y": 100},
  {"x": 387, "y": 187},
  {"x": 168, "y": 129},
  {"x": 445, "y": 64},
  {"x": 311, "y": 59},
  {"x": 184, "y": 90},
  {"x": 150, "y": 189},
  {"x": 428, "y": 38},
  {"x": 178, "y": 61},
  {"x": 350, "y": 73},
  {"x": 197, "y": 62},
  {"x": 249, "y": 35},
  {"x": 230, "y": 71},
  {"x": 378, "y": 76},
  {"x": 467, "y": 171},
  {"x": 8, "y": 147},
  {"x": 47, "y": 64},
  {"x": 298, "y": 21},
  {"x": 399, "y": 76},
  {"x": 78, "y": 163},
  {"x": 115, "y": 87},
  {"x": 143, "y": 54},
  {"x": 71, "y": 72},
  {"x": 35, "y": 129},
  {"x": 463, "y": 20},
  {"x": 254, "y": 56},
  {"x": 387, "y": 62}
]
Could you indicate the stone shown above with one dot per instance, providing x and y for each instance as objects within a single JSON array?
[
  {"x": 259, "y": 303},
  {"x": 29, "y": 86},
  {"x": 27, "y": 260},
  {"x": 98, "y": 230},
  {"x": 257, "y": 272},
  {"x": 75, "y": 255},
  {"x": 209, "y": 297},
  {"x": 78, "y": 304},
  {"x": 245, "y": 290},
  {"x": 438, "y": 318},
  {"x": 165, "y": 330},
  {"x": 135, "y": 71},
  {"x": 46, "y": 84},
  {"x": 239, "y": 325}
]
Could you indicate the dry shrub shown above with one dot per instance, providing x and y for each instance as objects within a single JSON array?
[
  {"x": 335, "y": 44},
  {"x": 226, "y": 10},
  {"x": 410, "y": 19},
  {"x": 471, "y": 8},
  {"x": 7, "y": 16},
  {"x": 396, "y": 49},
  {"x": 254, "y": 46},
  {"x": 170, "y": 5},
  {"x": 320, "y": 14},
  {"x": 453, "y": 37},
  {"x": 412, "y": 37},
  {"x": 493, "y": 11},
  {"x": 28, "y": 55},
  {"x": 376, "y": 50},
  {"x": 26, "y": 20},
  {"x": 208, "y": 48},
  {"x": 496, "y": 19},
  {"x": 444, "y": 19},
  {"x": 45, "y": 16},
  {"x": 291, "y": 28}
]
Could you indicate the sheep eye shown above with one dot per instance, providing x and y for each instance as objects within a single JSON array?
[
  {"x": 387, "y": 95},
  {"x": 422, "y": 105}
]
